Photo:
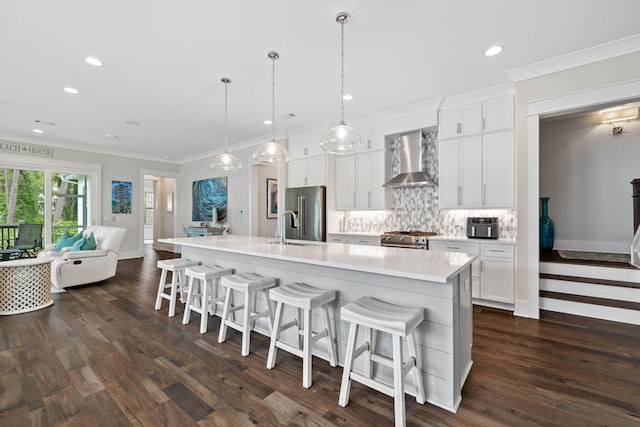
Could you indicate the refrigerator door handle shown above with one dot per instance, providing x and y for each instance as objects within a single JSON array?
[{"x": 302, "y": 214}]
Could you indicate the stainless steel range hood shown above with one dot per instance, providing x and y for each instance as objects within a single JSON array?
[{"x": 411, "y": 161}]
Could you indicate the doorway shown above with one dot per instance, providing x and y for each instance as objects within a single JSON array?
[{"x": 160, "y": 213}]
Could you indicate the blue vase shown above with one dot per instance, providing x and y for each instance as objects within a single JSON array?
[{"x": 546, "y": 225}]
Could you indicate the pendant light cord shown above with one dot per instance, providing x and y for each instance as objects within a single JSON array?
[
  {"x": 273, "y": 98},
  {"x": 226, "y": 120},
  {"x": 342, "y": 72}
]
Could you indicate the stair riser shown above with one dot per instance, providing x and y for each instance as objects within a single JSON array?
[
  {"x": 591, "y": 290},
  {"x": 591, "y": 310},
  {"x": 589, "y": 271}
]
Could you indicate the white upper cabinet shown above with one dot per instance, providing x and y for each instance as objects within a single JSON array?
[
  {"x": 346, "y": 182},
  {"x": 461, "y": 121},
  {"x": 308, "y": 172},
  {"x": 477, "y": 155},
  {"x": 498, "y": 114},
  {"x": 359, "y": 179},
  {"x": 499, "y": 169},
  {"x": 305, "y": 146}
]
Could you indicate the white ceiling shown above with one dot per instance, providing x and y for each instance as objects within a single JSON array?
[{"x": 164, "y": 60}]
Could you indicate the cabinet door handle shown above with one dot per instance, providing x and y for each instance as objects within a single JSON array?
[
  {"x": 369, "y": 198},
  {"x": 459, "y": 128},
  {"x": 305, "y": 151},
  {"x": 354, "y": 199},
  {"x": 483, "y": 123},
  {"x": 484, "y": 194},
  {"x": 305, "y": 181},
  {"x": 453, "y": 247},
  {"x": 497, "y": 250},
  {"x": 459, "y": 195}
]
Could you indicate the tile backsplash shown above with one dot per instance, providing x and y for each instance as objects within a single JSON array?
[{"x": 417, "y": 208}]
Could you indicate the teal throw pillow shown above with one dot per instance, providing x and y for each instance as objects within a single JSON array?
[
  {"x": 85, "y": 244},
  {"x": 66, "y": 241}
]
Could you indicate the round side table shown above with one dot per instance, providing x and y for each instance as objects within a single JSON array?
[{"x": 25, "y": 285}]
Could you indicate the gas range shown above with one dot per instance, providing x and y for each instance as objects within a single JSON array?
[{"x": 412, "y": 239}]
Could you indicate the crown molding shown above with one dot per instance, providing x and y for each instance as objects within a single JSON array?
[{"x": 586, "y": 56}]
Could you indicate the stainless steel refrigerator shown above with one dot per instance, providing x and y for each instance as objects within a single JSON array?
[{"x": 309, "y": 205}]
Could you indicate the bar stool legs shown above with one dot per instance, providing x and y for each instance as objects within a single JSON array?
[
  {"x": 248, "y": 283},
  {"x": 398, "y": 321},
  {"x": 202, "y": 294},
  {"x": 178, "y": 282},
  {"x": 304, "y": 298}
]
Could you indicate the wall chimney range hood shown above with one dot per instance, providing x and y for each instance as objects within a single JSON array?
[{"x": 411, "y": 161}]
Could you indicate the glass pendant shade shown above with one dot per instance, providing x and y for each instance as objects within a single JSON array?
[
  {"x": 226, "y": 162},
  {"x": 342, "y": 139},
  {"x": 270, "y": 153}
]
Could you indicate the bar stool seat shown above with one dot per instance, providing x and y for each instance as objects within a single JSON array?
[
  {"x": 178, "y": 282},
  {"x": 202, "y": 293},
  {"x": 249, "y": 284},
  {"x": 304, "y": 298},
  {"x": 398, "y": 321}
]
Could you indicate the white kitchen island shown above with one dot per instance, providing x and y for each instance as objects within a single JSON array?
[{"x": 439, "y": 282}]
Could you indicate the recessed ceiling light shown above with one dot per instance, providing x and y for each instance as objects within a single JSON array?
[
  {"x": 493, "y": 51},
  {"x": 38, "y": 131},
  {"x": 71, "y": 90},
  {"x": 347, "y": 97},
  {"x": 110, "y": 135},
  {"x": 267, "y": 122},
  {"x": 94, "y": 61}
]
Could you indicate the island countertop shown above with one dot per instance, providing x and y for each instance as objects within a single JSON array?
[{"x": 435, "y": 266}]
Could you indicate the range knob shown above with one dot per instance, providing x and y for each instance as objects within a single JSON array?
[{"x": 402, "y": 239}]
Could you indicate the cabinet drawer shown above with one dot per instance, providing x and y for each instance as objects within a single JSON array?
[
  {"x": 364, "y": 240},
  {"x": 472, "y": 248},
  {"x": 497, "y": 250},
  {"x": 337, "y": 238}
]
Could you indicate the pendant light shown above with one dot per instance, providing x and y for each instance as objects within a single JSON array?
[
  {"x": 225, "y": 161},
  {"x": 271, "y": 153},
  {"x": 342, "y": 139}
]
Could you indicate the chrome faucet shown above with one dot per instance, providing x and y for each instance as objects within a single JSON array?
[{"x": 282, "y": 224}]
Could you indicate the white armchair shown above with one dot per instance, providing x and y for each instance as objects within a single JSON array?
[{"x": 72, "y": 268}]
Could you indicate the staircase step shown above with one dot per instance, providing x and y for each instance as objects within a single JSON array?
[
  {"x": 628, "y": 305},
  {"x": 630, "y": 276},
  {"x": 605, "y": 282},
  {"x": 550, "y": 302}
]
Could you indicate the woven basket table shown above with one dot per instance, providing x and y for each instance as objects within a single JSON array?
[{"x": 25, "y": 285}]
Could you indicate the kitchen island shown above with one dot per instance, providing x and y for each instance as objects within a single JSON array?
[{"x": 439, "y": 282}]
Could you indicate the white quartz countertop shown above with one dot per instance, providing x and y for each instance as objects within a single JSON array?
[
  {"x": 470, "y": 239},
  {"x": 435, "y": 266}
]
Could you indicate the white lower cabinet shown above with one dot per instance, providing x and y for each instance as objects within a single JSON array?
[
  {"x": 497, "y": 273},
  {"x": 354, "y": 239},
  {"x": 493, "y": 273}
]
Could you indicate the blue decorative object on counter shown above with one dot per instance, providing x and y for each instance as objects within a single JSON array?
[{"x": 546, "y": 225}]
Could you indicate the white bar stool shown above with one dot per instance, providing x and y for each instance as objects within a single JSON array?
[
  {"x": 178, "y": 283},
  {"x": 202, "y": 295},
  {"x": 305, "y": 298},
  {"x": 398, "y": 321},
  {"x": 248, "y": 283}
]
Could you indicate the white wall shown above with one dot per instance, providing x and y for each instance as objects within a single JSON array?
[
  {"x": 113, "y": 168},
  {"x": 239, "y": 191},
  {"x": 603, "y": 73},
  {"x": 266, "y": 227},
  {"x": 586, "y": 171}
]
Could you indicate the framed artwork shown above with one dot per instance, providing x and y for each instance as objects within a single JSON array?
[
  {"x": 121, "y": 197},
  {"x": 207, "y": 195},
  {"x": 272, "y": 198}
]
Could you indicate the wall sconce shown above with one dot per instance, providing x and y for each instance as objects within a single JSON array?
[
  {"x": 169, "y": 202},
  {"x": 618, "y": 115}
]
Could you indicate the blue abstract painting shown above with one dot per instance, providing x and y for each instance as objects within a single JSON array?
[
  {"x": 120, "y": 197},
  {"x": 209, "y": 194}
]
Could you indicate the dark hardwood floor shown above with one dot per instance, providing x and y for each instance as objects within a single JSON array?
[{"x": 102, "y": 356}]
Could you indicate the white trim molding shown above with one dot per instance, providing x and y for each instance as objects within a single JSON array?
[{"x": 589, "y": 55}]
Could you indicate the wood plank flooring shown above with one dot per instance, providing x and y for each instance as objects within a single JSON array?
[{"x": 102, "y": 356}]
